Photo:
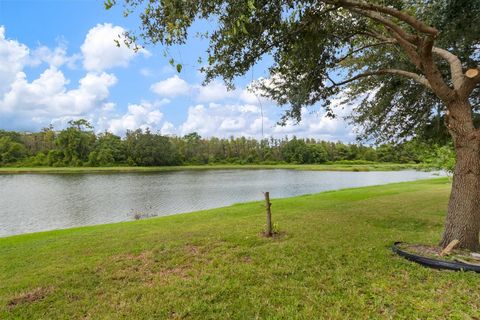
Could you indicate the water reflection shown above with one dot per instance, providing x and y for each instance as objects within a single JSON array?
[{"x": 31, "y": 203}]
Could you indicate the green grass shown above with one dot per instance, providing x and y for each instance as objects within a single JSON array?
[
  {"x": 333, "y": 261},
  {"x": 316, "y": 167}
]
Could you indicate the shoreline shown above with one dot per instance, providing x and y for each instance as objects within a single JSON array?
[
  {"x": 304, "y": 167},
  {"x": 182, "y": 214}
]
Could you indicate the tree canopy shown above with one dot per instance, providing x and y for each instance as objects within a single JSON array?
[
  {"x": 364, "y": 52},
  {"x": 80, "y": 146}
]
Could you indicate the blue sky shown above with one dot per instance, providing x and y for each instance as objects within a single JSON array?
[{"x": 58, "y": 62}]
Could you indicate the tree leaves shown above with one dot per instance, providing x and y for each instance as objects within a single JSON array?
[
  {"x": 306, "y": 41},
  {"x": 109, "y": 4}
]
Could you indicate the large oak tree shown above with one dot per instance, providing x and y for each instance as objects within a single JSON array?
[{"x": 408, "y": 59}]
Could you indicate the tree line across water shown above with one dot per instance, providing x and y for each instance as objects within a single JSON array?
[{"x": 78, "y": 145}]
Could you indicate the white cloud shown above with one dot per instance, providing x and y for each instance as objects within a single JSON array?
[
  {"x": 100, "y": 51},
  {"x": 249, "y": 108},
  {"x": 232, "y": 124},
  {"x": 162, "y": 102},
  {"x": 47, "y": 97},
  {"x": 171, "y": 87},
  {"x": 252, "y": 96},
  {"x": 223, "y": 113},
  {"x": 213, "y": 92},
  {"x": 13, "y": 58},
  {"x": 167, "y": 129},
  {"x": 223, "y": 120},
  {"x": 51, "y": 98},
  {"x": 55, "y": 58},
  {"x": 142, "y": 116},
  {"x": 239, "y": 112},
  {"x": 109, "y": 106},
  {"x": 319, "y": 125}
]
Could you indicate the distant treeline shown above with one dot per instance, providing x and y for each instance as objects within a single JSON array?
[{"x": 78, "y": 145}]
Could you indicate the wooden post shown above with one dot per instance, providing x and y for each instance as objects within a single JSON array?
[{"x": 268, "y": 230}]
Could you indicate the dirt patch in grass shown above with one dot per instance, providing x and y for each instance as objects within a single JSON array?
[
  {"x": 180, "y": 271},
  {"x": 130, "y": 267},
  {"x": 422, "y": 250},
  {"x": 275, "y": 235},
  {"x": 144, "y": 257},
  {"x": 192, "y": 249},
  {"x": 29, "y": 297},
  {"x": 431, "y": 251},
  {"x": 151, "y": 267},
  {"x": 247, "y": 259}
]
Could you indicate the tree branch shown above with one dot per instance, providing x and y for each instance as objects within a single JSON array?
[
  {"x": 420, "y": 53},
  {"x": 409, "y": 48},
  {"x": 411, "y": 75},
  {"x": 352, "y": 52},
  {"x": 407, "y": 41},
  {"x": 331, "y": 80},
  {"x": 376, "y": 35},
  {"x": 472, "y": 79},
  {"x": 455, "y": 66},
  {"x": 456, "y": 70},
  {"x": 432, "y": 73},
  {"x": 388, "y": 23},
  {"x": 416, "y": 24},
  {"x": 472, "y": 73}
]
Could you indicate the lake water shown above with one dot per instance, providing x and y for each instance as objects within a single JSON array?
[{"x": 38, "y": 202}]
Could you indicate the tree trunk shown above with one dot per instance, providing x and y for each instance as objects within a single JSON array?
[
  {"x": 268, "y": 229},
  {"x": 463, "y": 217}
]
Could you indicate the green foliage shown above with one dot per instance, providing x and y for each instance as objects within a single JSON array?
[
  {"x": 55, "y": 158},
  {"x": 75, "y": 143},
  {"x": 330, "y": 166},
  {"x": 295, "y": 151},
  {"x": 108, "y": 150},
  {"x": 10, "y": 150},
  {"x": 40, "y": 159},
  {"x": 147, "y": 149},
  {"x": 108, "y": 4},
  {"x": 442, "y": 157},
  {"x": 313, "y": 45},
  {"x": 275, "y": 228},
  {"x": 78, "y": 146}
]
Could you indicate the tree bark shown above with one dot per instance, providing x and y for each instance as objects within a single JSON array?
[
  {"x": 268, "y": 229},
  {"x": 463, "y": 217}
]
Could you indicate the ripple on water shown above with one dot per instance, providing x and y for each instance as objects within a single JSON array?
[{"x": 30, "y": 203}]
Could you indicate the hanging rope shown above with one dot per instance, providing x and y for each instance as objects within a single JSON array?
[{"x": 259, "y": 102}]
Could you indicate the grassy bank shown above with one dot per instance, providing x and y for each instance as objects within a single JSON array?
[
  {"x": 317, "y": 167},
  {"x": 333, "y": 261}
]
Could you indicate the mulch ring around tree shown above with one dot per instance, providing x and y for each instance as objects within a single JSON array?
[{"x": 430, "y": 256}]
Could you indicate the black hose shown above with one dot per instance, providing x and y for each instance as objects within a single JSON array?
[{"x": 434, "y": 263}]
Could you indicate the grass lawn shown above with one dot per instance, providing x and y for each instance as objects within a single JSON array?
[
  {"x": 333, "y": 261},
  {"x": 316, "y": 167}
]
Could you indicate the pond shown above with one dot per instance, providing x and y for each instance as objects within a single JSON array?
[{"x": 38, "y": 202}]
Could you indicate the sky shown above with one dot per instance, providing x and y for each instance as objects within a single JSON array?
[{"x": 59, "y": 61}]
